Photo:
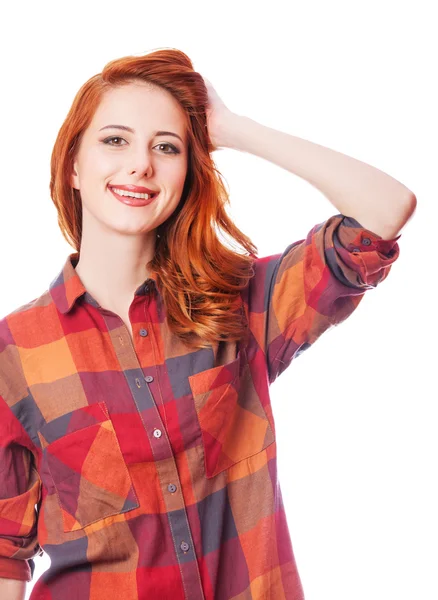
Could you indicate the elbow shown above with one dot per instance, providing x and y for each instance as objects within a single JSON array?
[
  {"x": 412, "y": 203},
  {"x": 411, "y": 207}
]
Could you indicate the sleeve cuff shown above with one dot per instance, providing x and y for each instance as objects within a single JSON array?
[
  {"x": 13, "y": 568},
  {"x": 365, "y": 240}
]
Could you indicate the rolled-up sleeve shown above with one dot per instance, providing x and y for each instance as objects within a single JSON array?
[
  {"x": 317, "y": 282},
  {"x": 20, "y": 492}
]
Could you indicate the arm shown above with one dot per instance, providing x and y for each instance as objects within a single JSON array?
[
  {"x": 376, "y": 200},
  {"x": 315, "y": 284},
  {"x": 12, "y": 589},
  {"x": 20, "y": 492}
]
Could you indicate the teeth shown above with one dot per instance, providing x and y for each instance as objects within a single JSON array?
[{"x": 131, "y": 194}]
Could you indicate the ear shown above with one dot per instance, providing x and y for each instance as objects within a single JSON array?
[{"x": 74, "y": 180}]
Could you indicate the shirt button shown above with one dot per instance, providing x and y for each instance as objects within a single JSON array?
[
  {"x": 171, "y": 487},
  {"x": 356, "y": 249},
  {"x": 157, "y": 433},
  {"x": 184, "y": 546},
  {"x": 366, "y": 241},
  {"x": 149, "y": 378},
  {"x": 143, "y": 332}
]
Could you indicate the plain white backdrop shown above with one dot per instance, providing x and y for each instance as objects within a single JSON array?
[{"x": 356, "y": 414}]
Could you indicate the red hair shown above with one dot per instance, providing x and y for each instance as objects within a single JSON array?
[{"x": 200, "y": 278}]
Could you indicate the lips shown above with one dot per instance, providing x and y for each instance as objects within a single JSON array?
[
  {"x": 131, "y": 201},
  {"x": 137, "y": 189}
]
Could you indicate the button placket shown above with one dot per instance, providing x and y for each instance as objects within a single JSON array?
[
  {"x": 157, "y": 432},
  {"x": 149, "y": 378},
  {"x": 184, "y": 546}
]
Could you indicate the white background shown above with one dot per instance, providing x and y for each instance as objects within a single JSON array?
[{"x": 355, "y": 414}]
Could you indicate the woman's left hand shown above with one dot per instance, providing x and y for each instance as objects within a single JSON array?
[{"x": 218, "y": 117}]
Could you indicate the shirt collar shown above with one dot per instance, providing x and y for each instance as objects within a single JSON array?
[{"x": 67, "y": 286}]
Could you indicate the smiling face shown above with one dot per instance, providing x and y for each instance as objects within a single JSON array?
[{"x": 111, "y": 157}]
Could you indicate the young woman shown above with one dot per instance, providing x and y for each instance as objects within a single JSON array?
[{"x": 134, "y": 392}]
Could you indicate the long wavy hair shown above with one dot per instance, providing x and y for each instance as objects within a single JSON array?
[{"x": 200, "y": 278}]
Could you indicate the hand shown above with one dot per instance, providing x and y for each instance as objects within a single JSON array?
[{"x": 218, "y": 117}]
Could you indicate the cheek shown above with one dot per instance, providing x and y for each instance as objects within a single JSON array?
[
  {"x": 171, "y": 204},
  {"x": 174, "y": 173},
  {"x": 99, "y": 164},
  {"x": 180, "y": 178}
]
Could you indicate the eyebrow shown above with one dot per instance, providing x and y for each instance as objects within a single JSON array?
[{"x": 126, "y": 128}]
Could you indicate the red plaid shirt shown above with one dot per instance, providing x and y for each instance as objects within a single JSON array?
[{"x": 145, "y": 470}]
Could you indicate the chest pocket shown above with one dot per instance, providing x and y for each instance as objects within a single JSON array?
[
  {"x": 84, "y": 465},
  {"x": 231, "y": 416}
]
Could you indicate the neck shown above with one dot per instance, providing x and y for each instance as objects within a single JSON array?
[{"x": 111, "y": 272}]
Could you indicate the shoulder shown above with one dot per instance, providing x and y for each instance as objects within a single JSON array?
[
  {"x": 17, "y": 330},
  {"x": 23, "y": 311}
]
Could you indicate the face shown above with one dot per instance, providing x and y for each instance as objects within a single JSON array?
[{"x": 112, "y": 156}]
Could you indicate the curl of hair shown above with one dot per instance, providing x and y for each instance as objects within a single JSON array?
[{"x": 199, "y": 277}]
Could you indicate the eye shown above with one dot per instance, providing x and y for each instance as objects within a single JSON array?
[
  {"x": 107, "y": 141},
  {"x": 110, "y": 139},
  {"x": 174, "y": 149}
]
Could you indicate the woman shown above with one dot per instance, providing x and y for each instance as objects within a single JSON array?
[{"x": 134, "y": 407}]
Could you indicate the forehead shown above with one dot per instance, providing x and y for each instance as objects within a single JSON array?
[{"x": 140, "y": 106}]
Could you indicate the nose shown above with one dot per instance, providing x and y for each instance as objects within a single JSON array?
[{"x": 141, "y": 161}]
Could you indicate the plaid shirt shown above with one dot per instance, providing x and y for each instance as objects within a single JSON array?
[{"x": 154, "y": 468}]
